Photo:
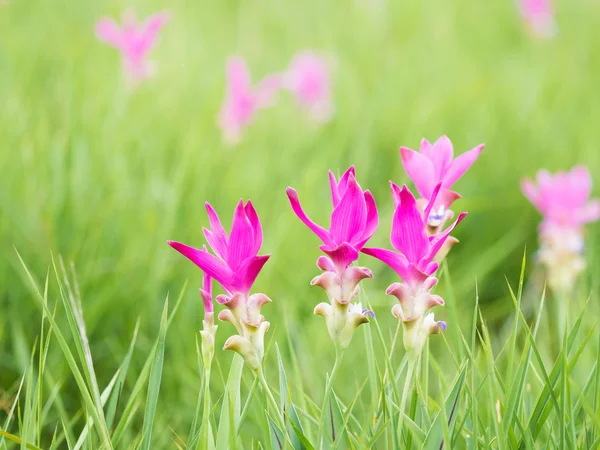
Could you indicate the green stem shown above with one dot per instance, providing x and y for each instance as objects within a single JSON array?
[
  {"x": 271, "y": 400},
  {"x": 204, "y": 429},
  {"x": 405, "y": 391},
  {"x": 339, "y": 353}
]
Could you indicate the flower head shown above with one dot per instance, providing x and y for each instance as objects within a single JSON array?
[
  {"x": 235, "y": 266},
  {"x": 134, "y": 40},
  {"x": 434, "y": 164},
  {"x": 354, "y": 219},
  {"x": 539, "y": 16},
  {"x": 563, "y": 199},
  {"x": 308, "y": 79},
  {"x": 243, "y": 100},
  {"x": 414, "y": 259}
]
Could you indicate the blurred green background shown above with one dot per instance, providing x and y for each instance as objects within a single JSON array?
[{"x": 104, "y": 176}]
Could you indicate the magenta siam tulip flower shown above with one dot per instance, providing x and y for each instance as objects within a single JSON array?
[
  {"x": 209, "y": 328},
  {"x": 134, "y": 40},
  {"x": 434, "y": 164},
  {"x": 414, "y": 262},
  {"x": 243, "y": 100},
  {"x": 308, "y": 79},
  {"x": 564, "y": 202},
  {"x": 235, "y": 266},
  {"x": 354, "y": 219},
  {"x": 539, "y": 16}
]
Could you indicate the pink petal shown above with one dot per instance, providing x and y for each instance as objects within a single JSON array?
[
  {"x": 580, "y": 185},
  {"x": 108, "y": 31},
  {"x": 426, "y": 148},
  {"x": 207, "y": 298},
  {"x": 256, "y": 226},
  {"x": 420, "y": 169},
  {"x": 408, "y": 229},
  {"x": 438, "y": 240},
  {"x": 324, "y": 263},
  {"x": 395, "y": 194},
  {"x": 372, "y": 220},
  {"x": 150, "y": 30},
  {"x": 219, "y": 236},
  {"x": 246, "y": 273},
  {"x": 441, "y": 155},
  {"x": 321, "y": 233},
  {"x": 446, "y": 197},
  {"x": 238, "y": 76},
  {"x": 333, "y": 186},
  {"x": 342, "y": 255},
  {"x": 460, "y": 165},
  {"x": 589, "y": 213},
  {"x": 210, "y": 264},
  {"x": 432, "y": 201},
  {"x": 531, "y": 192},
  {"x": 267, "y": 89},
  {"x": 349, "y": 216},
  {"x": 343, "y": 184},
  {"x": 241, "y": 240},
  {"x": 396, "y": 261}
]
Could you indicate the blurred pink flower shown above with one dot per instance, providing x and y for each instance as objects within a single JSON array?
[
  {"x": 134, "y": 40},
  {"x": 563, "y": 199},
  {"x": 434, "y": 164},
  {"x": 308, "y": 79},
  {"x": 242, "y": 100},
  {"x": 354, "y": 219},
  {"x": 539, "y": 17}
]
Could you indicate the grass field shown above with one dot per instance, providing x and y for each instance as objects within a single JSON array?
[{"x": 102, "y": 176}]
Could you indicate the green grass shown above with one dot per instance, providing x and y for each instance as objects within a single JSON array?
[{"x": 104, "y": 177}]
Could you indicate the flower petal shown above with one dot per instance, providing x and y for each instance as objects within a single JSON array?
[
  {"x": 372, "y": 220},
  {"x": 321, "y": 232},
  {"x": 342, "y": 255},
  {"x": 396, "y": 261},
  {"x": 108, "y": 31},
  {"x": 241, "y": 240},
  {"x": 219, "y": 236},
  {"x": 246, "y": 273},
  {"x": 256, "y": 226},
  {"x": 210, "y": 264},
  {"x": 238, "y": 77},
  {"x": 343, "y": 184},
  {"x": 441, "y": 155},
  {"x": 420, "y": 169},
  {"x": 150, "y": 30},
  {"x": 460, "y": 165},
  {"x": 408, "y": 229},
  {"x": 438, "y": 240},
  {"x": 432, "y": 201},
  {"x": 589, "y": 213},
  {"x": 349, "y": 217},
  {"x": 333, "y": 185}
]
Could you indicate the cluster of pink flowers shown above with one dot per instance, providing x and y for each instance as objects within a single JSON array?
[
  {"x": 416, "y": 236},
  {"x": 307, "y": 79},
  {"x": 564, "y": 202}
]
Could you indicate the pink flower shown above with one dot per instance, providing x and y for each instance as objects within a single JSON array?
[
  {"x": 414, "y": 261},
  {"x": 134, "y": 40},
  {"x": 242, "y": 100},
  {"x": 206, "y": 291},
  {"x": 307, "y": 78},
  {"x": 434, "y": 164},
  {"x": 539, "y": 17},
  {"x": 563, "y": 199},
  {"x": 236, "y": 264},
  {"x": 354, "y": 219}
]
